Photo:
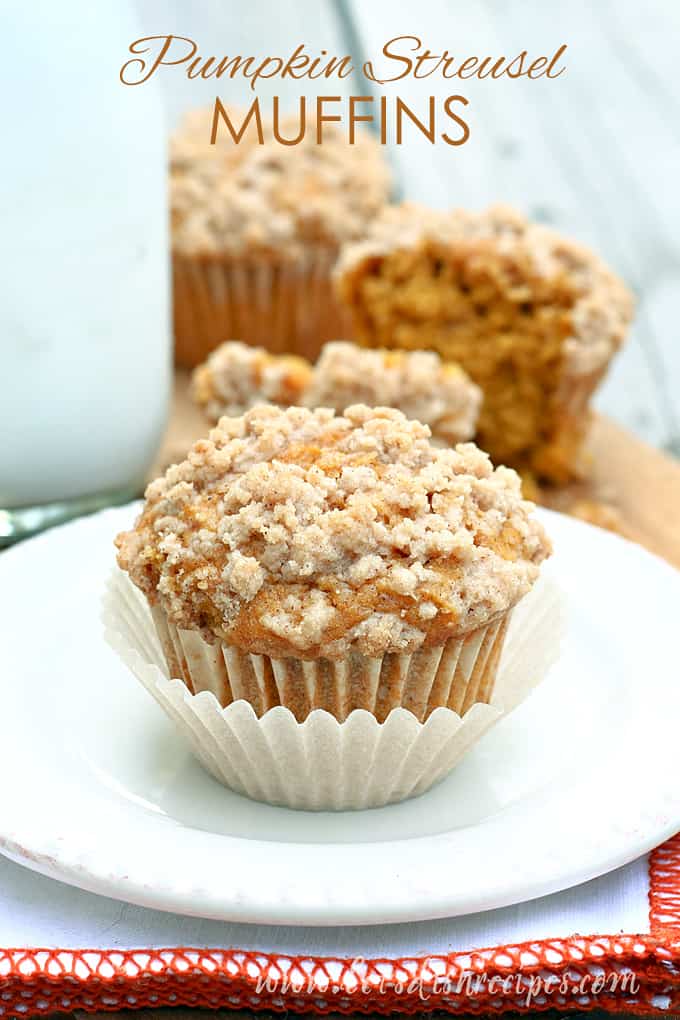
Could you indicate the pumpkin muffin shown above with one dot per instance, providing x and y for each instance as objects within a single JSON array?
[
  {"x": 310, "y": 560},
  {"x": 256, "y": 230},
  {"x": 237, "y": 377},
  {"x": 533, "y": 318}
]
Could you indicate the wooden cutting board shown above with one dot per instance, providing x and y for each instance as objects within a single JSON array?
[{"x": 632, "y": 488}]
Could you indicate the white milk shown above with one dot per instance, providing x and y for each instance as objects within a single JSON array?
[{"x": 84, "y": 301}]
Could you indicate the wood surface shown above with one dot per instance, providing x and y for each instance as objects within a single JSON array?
[{"x": 631, "y": 485}]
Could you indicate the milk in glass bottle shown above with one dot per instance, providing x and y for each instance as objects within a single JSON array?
[{"x": 84, "y": 323}]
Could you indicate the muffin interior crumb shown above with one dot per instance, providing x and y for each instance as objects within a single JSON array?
[{"x": 521, "y": 309}]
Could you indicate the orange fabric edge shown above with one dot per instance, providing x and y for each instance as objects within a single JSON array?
[
  {"x": 664, "y": 889},
  {"x": 40, "y": 981}
]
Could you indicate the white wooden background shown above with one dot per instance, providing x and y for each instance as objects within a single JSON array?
[{"x": 595, "y": 152}]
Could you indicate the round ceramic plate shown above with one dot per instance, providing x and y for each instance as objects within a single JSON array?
[{"x": 98, "y": 790}]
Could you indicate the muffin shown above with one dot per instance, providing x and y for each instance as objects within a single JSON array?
[
  {"x": 533, "y": 318},
  {"x": 237, "y": 377},
  {"x": 311, "y": 560},
  {"x": 256, "y": 229}
]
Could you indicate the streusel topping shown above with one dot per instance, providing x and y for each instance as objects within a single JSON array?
[
  {"x": 236, "y": 377},
  {"x": 418, "y": 383},
  {"x": 302, "y": 533},
  {"x": 271, "y": 197}
]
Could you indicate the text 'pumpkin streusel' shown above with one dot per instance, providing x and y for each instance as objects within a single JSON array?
[{"x": 298, "y": 533}]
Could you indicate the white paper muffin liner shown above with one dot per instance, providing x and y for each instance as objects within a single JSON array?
[{"x": 321, "y": 763}]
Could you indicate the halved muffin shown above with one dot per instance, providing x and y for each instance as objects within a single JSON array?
[{"x": 533, "y": 318}]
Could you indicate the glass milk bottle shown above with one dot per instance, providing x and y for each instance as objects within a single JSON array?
[{"x": 84, "y": 301}]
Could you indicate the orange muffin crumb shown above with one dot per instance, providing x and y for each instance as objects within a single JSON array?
[{"x": 533, "y": 318}]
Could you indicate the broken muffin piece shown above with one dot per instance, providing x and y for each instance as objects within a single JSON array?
[
  {"x": 419, "y": 383},
  {"x": 236, "y": 377},
  {"x": 532, "y": 317}
]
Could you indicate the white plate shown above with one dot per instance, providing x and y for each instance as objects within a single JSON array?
[{"x": 99, "y": 792}]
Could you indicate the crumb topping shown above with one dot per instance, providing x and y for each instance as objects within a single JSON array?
[
  {"x": 271, "y": 197},
  {"x": 418, "y": 383},
  {"x": 236, "y": 377},
  {"x": 302, "y": 533}
]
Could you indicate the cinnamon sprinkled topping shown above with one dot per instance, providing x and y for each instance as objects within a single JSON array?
[{"x": 302, "y": 533}]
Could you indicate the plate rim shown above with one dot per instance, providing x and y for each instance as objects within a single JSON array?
[{"x": 88, "y": 868}]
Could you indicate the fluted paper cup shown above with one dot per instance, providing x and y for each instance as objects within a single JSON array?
[
  {"x": 453, "y": 675},
  {"x": 324, "y": 762},
  {"x": 284, "y": 305}
]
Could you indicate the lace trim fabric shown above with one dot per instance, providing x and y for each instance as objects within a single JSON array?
[
  {"x": 664, "y": 889},
  {"x": 636, "y": 973}
]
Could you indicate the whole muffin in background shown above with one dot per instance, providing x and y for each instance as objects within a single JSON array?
[
  {"x": 533, "y": 318},
  {"x": 256, "y": 230},
  {"x": 339, "y": 562},
  {"x": 236, "y": 377}
]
